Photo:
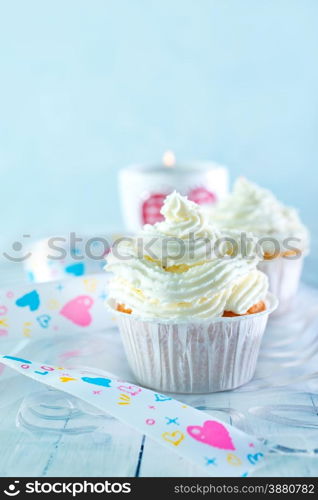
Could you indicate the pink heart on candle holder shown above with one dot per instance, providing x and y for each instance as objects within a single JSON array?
[
  {"x": 77, "y": 310},
  {"x": 150, "y": 210},
  {"x": 202, "y": 196},
  {"x": 212, "y": 433}
]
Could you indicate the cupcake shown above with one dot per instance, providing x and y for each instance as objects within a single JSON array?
[
  {"x": 280, "y": 232},
  {"x": 191, "y": 308}
]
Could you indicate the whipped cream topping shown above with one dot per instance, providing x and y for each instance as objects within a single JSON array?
[
  {"x": 172, "y": 271},
  {"x": 182, "y": 237},
  {"x": 255, "y": 209}
]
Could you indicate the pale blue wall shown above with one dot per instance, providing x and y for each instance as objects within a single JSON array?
[{"x": 88, "y": 86}]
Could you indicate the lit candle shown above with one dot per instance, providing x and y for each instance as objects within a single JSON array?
[{"x": 143, "y": 188}]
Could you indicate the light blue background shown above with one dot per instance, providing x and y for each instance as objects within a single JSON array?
[{"x": 89, "y": 86}]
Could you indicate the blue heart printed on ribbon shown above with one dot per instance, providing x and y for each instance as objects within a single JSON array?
[
  {"x": 44, "y": 320},
  {"x": 161, "y": 397},
  {"x": 77, "y": 269},
  {"x": 104, "y": 382},
  {"x": 253, "y": 459},
  {"x": 31, "y": 300}
]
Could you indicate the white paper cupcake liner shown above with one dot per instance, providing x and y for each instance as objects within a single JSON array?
[
  {"x": 284, "y": 276},
  {"x": 197, "y": 357}
]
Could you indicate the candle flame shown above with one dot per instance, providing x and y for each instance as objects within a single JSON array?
[{"x": 169, "y": 159}]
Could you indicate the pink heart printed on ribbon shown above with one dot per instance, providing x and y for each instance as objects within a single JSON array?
[
  {"x": 212, "y": 433},
  {"x": 77, "y": 310}
]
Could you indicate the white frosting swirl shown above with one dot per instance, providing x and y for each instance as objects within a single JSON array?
[
  {"x": 252, "y": 208},
  {"x": 182, "y": 217},
  {"x": 171, "y": 270}
]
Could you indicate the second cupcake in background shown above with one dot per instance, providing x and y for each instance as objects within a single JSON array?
[
  {"x": 280, "y": 232},
  {"x": 191, "y": 319}
]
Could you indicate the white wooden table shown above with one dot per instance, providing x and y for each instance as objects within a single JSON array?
[{"x": 113, "y": 449}]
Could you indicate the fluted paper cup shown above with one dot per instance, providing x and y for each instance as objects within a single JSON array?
[
  {"x": 194, "y": 357},
  {"x": 284, "y": 276}
]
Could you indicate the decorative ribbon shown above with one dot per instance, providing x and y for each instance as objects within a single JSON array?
[
  {"x": 222, "y": 450},
  {"x": 56, "y": 307}
]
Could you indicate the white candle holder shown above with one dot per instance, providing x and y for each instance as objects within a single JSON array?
[{"x": 143, "y": 188}]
